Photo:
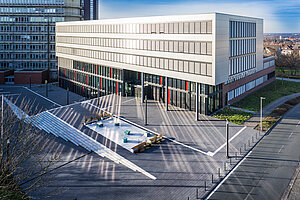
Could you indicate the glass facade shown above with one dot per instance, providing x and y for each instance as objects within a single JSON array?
[
  {"x": 27, "y": 32},
  {"x": 87, "y": 79}
]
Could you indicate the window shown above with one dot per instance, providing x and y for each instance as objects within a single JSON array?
[
  {"x": 197, "y": 47},
  {"x": 181, "y": 27},
  {"x": 197, "y": 27},
  {"x": 192, "y": 27},
  {"x": 197, "y": 68},
  {"x": 203, "y": 27},
  {"x": 186, "y": 27},
  {"x": 192, "y": 48},
  {"x": 176, "y": 28},
  {"x": 203, "y": 48},
  {"x": 209, "y": 48}
]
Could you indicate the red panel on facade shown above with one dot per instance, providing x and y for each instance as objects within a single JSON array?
[
  {"x": 186, "y": 85},
  {"x": 101, "y": 83},
  {"x": 168, "y": 96},
  {"x": 110, "y": 72},
  {"x": 160, "y": 80},
  {"x": 65, "y": 73},
  {"x": 139, "y": 76},
  {"x": 87, "y": 79},
  {"x": 75, "y": 76},
  {"x": 117, "y": 88},
  {"x": 96, "y": 68}
]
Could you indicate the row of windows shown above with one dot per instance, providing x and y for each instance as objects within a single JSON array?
[
  {"x": 242, "y": 29},
  {"x": 241, "y": 64},
  {"x": 242, "y": 47},
  {"x": 201, "y": 48},
  {"x": 32, "y": 2},
  {"x": 246, "y": 87},
  {"x": 40, "y": 10},
  {"x": 24, "y": 28},
  {"x": 268, "y": 64},
  {"x": 26, "y": 47},
  {"x": 14, "y": 38},
  {"x": 204, "y": 27},
  {"x": 98, "y": 69},
  {"x": 154, "y": 62},
  {"x": 89, "y": 84},
  {"x": 24, "y": 56},
  {"x": 28, "y": 65},
  {"x": 31, "y": 19}
]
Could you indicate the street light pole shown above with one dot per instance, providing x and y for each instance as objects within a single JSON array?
[
  {"x": 146, "y": 101},
  {"x": 68, "y": 96},
  {"x": 227, "y": 138},
  {"x": 261, "y": 112},
  {"x": 46, "y": 88},
  {"x": 98, "y": 94},
  {"x": 30, "y": 81}
]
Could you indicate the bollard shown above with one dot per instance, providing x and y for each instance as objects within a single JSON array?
[
  {"x": 204, "y": 185},
  {"x": 197, "y": 193},
  {"x": 212, "y": 178},
  {"x": 252, "y": 139},
  {"x": 224, "y": 166},
  {"x": 249, "y": 143},
  {"x": 219, "y": 172},
  {"x": 256, "y": 135}
]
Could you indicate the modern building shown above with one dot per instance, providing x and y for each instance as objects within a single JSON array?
[
  {"x": 91, "y": 9},
  {"x": 27, "y": 32},
  {"x": 197, "y": 62}
]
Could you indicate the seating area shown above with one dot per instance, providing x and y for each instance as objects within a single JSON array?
[
  {"x": 54, "y": 125},
  {"x": 130, "y": 137}
]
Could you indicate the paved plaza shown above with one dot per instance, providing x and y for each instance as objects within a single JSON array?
[{"x": 191, "y": 153}]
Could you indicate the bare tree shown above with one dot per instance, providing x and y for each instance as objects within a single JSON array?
[
  {"x": 280, "y": 61},
  {"x": 24, "y": 162},
  {"x": 289, "y": 61}
]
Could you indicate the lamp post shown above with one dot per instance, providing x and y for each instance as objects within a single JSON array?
[
  {"x": 146, "y": 120},
  {"x": 261, "y": 112},
  {"x": 98, "y": 94},
  {"x": 227, "y": 138},
  {"x": 30, "y": 81},
  {"x": 46, "y": 88},
  {"x": 68, "y": 96}
]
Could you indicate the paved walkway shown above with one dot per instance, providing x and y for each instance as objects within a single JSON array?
[
  {"x": 288, "y": 79},
  {"x": 241, "y": 109},
  {"x": 255, "y": 119},
  {"x": 268, "y": 169}
]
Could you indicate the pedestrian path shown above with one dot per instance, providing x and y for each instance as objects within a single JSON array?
[
  {"x": 288, "y": 79},
  {"x": 241, "y": 109},
  {"x": 52, "y": 124},
  {"x": 255, "y": 119}
]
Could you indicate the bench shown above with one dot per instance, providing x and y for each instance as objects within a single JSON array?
[
  {"x": 138, "y": 147},
  {"x": 152, "y": 140},
  {"x": 90, "y": 122}
]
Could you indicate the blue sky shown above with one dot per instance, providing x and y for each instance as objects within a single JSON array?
[{"x": 279, "y": 15}]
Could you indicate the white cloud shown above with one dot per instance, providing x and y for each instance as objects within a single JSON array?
[{"x": 264, "y": 10}]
